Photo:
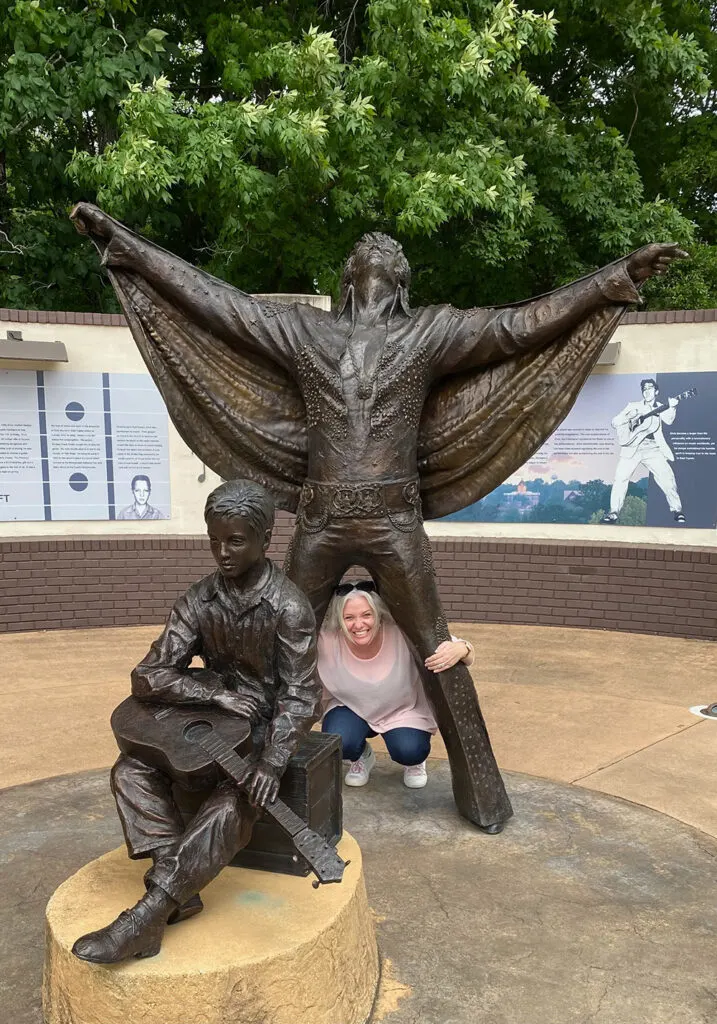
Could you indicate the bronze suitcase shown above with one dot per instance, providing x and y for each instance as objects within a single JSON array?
[{"x": 311, "y": 786}]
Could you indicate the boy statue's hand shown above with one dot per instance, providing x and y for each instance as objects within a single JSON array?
[
  {"x": 240, "y": 704},
  {"x": 262, "y": 784}
]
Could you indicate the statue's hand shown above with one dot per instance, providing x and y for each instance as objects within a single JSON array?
[
  {"x": 653, "y": 260},
  {"x": 239, "y": 704},
  {"x": 90, "y": 220},
  {"x": 262, "y": 786}
]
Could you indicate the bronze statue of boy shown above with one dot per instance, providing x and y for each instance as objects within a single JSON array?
[{"x": 255, "y": 632}]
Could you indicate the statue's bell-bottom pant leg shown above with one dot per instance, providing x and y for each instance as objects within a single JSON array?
[
  {"x": 316, "y": 562},
  {"x": 402, "y": 565}
]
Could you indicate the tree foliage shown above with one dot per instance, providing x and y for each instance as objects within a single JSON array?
[
  {"x": 65, "y": 69},
  {"x": 632, "y": 513},
  {"x": 260, "y": 142},
  {"x": 647, "y": 70}
]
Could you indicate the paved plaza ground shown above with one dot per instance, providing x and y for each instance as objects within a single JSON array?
[{"x": 588, "y": 909}]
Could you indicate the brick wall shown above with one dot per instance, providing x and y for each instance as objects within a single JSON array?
[
  {"x": 640, "y": 589},
  {"x": 58, "y": 584}
]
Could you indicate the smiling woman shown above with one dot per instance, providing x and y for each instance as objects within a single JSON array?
[{"x": 372, "y": 684}]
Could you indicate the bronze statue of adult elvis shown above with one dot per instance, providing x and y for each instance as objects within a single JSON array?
[{"x": 365, "y": 420}]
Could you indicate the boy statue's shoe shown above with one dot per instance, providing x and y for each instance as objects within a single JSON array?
[
  {"x": 136, "y": 932},
  {"x": 191, "y": 908},
  {"x": 127, "y": 936}
]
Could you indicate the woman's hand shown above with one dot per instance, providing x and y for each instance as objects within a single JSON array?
[{"x": 447, "y": 654}]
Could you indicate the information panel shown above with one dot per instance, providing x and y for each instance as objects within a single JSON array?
[
  {"x": 636, "y": 449},
  {"x": 82, "y": 446}
]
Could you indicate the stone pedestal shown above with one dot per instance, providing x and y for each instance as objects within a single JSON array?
[{"x": 268, "y": 949}]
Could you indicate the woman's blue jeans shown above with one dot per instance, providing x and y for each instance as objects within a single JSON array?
[{"x": 405, "y": 746}]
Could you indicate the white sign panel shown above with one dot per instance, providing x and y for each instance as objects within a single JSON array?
[{"x": 82, "y": 446}]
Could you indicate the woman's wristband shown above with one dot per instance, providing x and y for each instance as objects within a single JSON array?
[{"x": 468, "y": 645}]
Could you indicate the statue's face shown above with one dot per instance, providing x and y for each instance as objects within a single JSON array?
[
  {"x": 376, "y": 262},
  {"x": 236, "y": 547},
  {"x": 377, "y": 268}
]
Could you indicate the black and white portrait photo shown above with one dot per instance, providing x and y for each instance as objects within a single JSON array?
[{"x": 140, "y": 507}]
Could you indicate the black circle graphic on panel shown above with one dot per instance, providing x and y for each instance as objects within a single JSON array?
[
  {"x": 78, "y": 482},
  {"x": 74, "y": 411}
]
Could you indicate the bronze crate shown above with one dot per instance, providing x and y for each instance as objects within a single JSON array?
[{"x": 311, "y": 787}]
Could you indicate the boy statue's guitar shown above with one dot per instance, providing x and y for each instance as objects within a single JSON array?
[
  {"x": 632, "y": 430},
  {"x": 190, "y": 740}
]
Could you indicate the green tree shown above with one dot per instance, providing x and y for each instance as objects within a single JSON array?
[
  {"x": 595, "y": 494},
  {"x": 633, "y": 512},
  {"x": 65, "y": 68},
  {"x": 689, "y": 285},
  {"x": 260, "y": 142},
  {"x": 555, "y": 513},
  {"x": 644, "y": 68}
]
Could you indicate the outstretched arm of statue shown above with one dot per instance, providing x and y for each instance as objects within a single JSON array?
[
  {"x": 483, "y": 336},
  {"x": 242, "y": 320}
]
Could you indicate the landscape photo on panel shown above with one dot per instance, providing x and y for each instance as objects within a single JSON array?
[{"x": 636, "y": 450}]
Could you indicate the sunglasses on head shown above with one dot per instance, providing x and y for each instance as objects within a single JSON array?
[{"x": 367, "y": 586}]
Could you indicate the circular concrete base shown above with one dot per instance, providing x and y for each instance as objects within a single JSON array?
[{"x": 268, "y": 949}]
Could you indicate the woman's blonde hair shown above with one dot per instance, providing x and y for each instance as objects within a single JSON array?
[{"x": 334, "y": 618}]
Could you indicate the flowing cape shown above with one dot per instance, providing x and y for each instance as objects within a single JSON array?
[
  {"x": 244, "y": 416},
  {"x": 479, "y": 427}
]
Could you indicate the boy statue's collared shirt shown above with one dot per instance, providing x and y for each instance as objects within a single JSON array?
[{"x": 259, "y": 642}]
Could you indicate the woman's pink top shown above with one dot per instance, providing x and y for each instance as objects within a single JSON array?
[{"x": 385, "y": 690}]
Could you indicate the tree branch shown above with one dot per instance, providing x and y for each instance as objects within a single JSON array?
[
  {"x": 14, "y": 250},
  {"x": 634, "y": 120}
]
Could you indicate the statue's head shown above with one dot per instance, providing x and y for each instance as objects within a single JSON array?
[
  {"x": 377, "y": 255},
  {"x": 240, "y": 517}
]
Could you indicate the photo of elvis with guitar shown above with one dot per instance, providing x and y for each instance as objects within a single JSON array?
[{"x": 639, "y": 433}]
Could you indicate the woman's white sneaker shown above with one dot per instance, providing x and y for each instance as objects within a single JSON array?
[
  {"x": 415, "y": 776},
  {"x": 360, "y": 771}
]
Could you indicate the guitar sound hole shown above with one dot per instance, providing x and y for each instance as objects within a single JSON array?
[{"x": 195, "y": 732}]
